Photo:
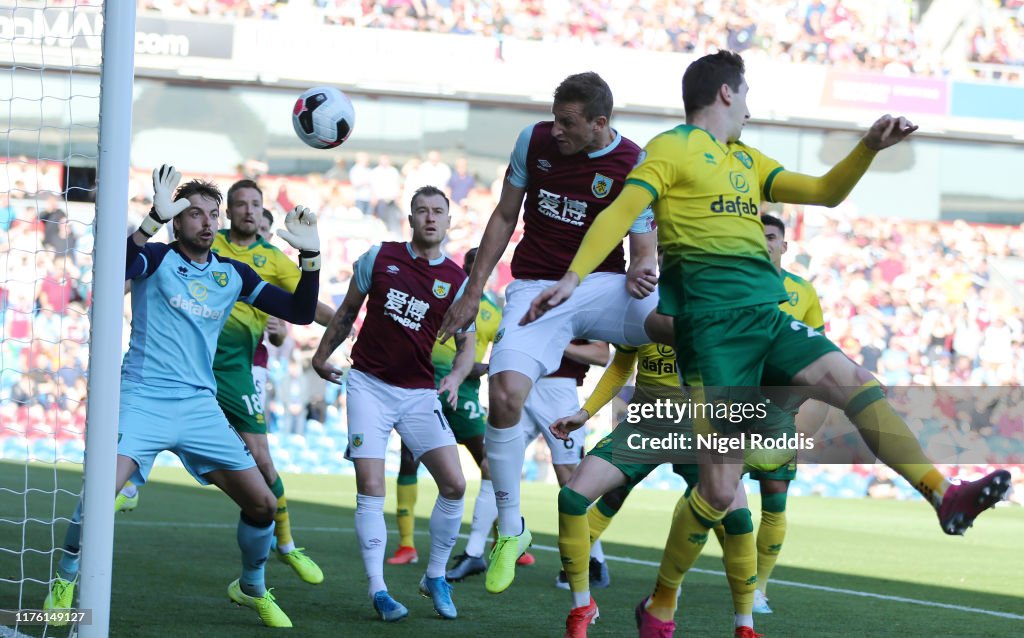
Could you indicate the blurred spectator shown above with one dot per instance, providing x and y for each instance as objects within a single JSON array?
[
  {"x": 461, "y": 181},
  {"x": 385, "y": 186},
  {"x": 361, "y": 177}
]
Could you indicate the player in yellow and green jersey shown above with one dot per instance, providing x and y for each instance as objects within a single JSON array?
[
  {"x": 720, "y": 286},
  {"x": 468, "y": 424},
  {"x": 233, "y": 362},
  {"x": 610, "y": 475},
  {"x": 803, "y": 305},
  {"x": 232, "y": 365}
]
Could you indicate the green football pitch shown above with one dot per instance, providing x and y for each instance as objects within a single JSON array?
[{"x": 849, "y": 568}]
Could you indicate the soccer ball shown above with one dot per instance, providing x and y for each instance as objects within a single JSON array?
[{"x": 323, "y": 117}]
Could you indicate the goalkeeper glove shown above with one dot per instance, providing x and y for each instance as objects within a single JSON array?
[
  {"x": 165, "y": 180},
  {"x": 300, "y": 233}
]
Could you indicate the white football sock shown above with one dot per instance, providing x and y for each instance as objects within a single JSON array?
[
  {"x": 373, "y": 537},
  {"x": 444, "y": 529},
  {"x": 505, "y": 455},
  {"x": 485, "y": 511},
  {"x": 597, "y": 551}
]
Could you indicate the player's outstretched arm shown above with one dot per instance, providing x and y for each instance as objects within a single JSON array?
[
  {"x": 497, "y": 235},
  {"x": 324, "y": 314},
  {"x": 594, "y": 353},
  {"x": 834, "y": 186},
  {"x": 299, "y": 306},
  {"x": 642, "y": 274},
  {"x": 461, "y": 366},
  {"x": 338, "y": 329}
]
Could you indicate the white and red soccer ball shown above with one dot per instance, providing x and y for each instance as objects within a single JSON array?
[{"x": 323, "y": 117}]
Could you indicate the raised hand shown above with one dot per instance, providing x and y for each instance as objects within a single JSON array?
[
  {"x": 300, "y": 230},
  {"x": 888, "y": 131},
  {"x": 165, "y": 180}
]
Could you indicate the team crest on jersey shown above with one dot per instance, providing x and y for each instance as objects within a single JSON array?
[
  {"x": 259, "y": 260},
  {"x": 745, "y": 159},
  {"x": 601, "y": 185},
  {"x": 794, "y": 298},
  {"x": 220, "y": 277},
  {"x": 485, "y": 315},
  {"x": 497, "y": 337},
  {"x": 357, "y": 440},
  {"x": 441, "y": 288},
  {"x": 197, "y": 290}
]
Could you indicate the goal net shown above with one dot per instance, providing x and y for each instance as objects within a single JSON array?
[{"x": 50, "y": 104}]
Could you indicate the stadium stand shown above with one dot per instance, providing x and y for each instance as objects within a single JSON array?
[{"x": 915, "y": 302}]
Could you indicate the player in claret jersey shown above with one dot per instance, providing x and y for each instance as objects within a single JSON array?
[
  {"x": 467, "y": 422},
  {"x": 410, "y": 285},
  {"x": 723, "y": 292},
  {"x": 562, "y": 173}
]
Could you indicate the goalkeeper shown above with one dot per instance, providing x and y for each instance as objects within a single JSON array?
[{"x": 182, "y": 294}]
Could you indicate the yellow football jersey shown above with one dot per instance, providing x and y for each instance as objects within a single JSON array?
[
  {"x": 707, "y": 204},
  {"x": 803, "y": 301},
  {"x": 488, "y": 318},
  {"x": 655, "y": 365},
  {"x": 245, "y": 325}
]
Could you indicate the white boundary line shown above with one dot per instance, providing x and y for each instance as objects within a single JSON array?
[{"x": 631, "y": 561}]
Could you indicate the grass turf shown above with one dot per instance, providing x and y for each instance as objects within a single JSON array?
[{"x": 846, "y": 570}]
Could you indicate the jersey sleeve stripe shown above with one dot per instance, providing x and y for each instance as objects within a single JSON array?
[
  {"x": 768, "y": 184},
  {"x": 641, "y": 183},
  {"x": 255, "y": 293}
]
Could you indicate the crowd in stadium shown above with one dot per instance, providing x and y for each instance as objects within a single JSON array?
[
  {"x": 915, "y": 302},
  {"x": 873, "y": 35}
]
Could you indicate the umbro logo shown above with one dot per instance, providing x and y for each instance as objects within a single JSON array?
[
  {"x": 392, "y": 269},
  {"x": 543, "y": 165},
  {"x": 182, "y": 271}
]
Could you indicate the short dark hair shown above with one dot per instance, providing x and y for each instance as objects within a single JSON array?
[
  {"x": 239, "y": 185},
  {"x": 428, "y": 191},
  {"x": 199, "y": 187},
  {"x": 589, "y": 90},
  {"x": 469, "y": 258},
  {"x": 707, "y": 74},
  {"x": 772, "y": 220},
  {"x": 269, "y": 215}
]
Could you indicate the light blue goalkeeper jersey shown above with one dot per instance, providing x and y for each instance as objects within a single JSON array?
[{"x": 178, "y": 310}]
